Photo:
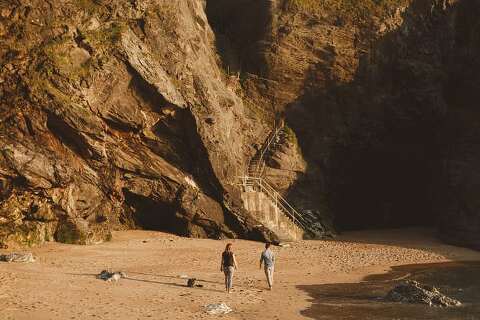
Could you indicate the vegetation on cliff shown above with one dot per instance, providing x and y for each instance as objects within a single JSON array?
[{"x": 117, "y": 114}]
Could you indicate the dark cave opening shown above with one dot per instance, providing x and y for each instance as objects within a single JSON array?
[
  {"x": 154, "y": 215},
  {"x": 384, "y": 189},
  {"x": 392, "y": 181},
  {"x": 384, "y": 171}
]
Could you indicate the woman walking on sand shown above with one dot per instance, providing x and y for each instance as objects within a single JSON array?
[{"x": 228, "y": 266}]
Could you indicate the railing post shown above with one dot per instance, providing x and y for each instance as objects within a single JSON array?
[{"x": 256, "y": 183}]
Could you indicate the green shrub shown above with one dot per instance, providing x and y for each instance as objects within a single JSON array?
[{"x": 104, "y": 37}]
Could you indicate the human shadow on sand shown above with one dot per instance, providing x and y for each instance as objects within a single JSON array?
[
  {"x": 197, "y": 279},
  {"x": 174, "y": 277},
  {"x": 172, "y": 284}
]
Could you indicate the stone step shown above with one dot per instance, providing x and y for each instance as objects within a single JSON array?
[{"x": 264, "y": 209}]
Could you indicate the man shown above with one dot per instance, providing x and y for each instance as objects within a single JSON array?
[{"x": 268, "y": 259}]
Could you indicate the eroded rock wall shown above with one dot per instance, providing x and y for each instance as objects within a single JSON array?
[
  {"x": 114, "y": 114},
  {"x": 125, "y": 114},
  {"x": 381, "y": 103}
]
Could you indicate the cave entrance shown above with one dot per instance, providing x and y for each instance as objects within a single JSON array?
[
  {"x": 154, "y": 215},
  {"x": 385, "y": 188},
  {"x": 379, "y": 170}
]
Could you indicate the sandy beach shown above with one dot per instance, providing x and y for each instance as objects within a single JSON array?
[{"x": 61, "y": 284}]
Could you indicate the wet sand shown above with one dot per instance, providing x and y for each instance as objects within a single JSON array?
[
  {"x": 364, "y": 300},
  {"x": 62, "y": 284}
]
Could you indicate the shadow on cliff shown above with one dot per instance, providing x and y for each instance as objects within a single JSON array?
[
  {"x": 376, "y": 147},
  {"x": 241, "y": 48}
]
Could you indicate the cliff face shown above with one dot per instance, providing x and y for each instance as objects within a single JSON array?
[
  {"x": 125, "y": 114},
  {"x": 116, "y": 115},
  {"x": 381, "y": 99}
]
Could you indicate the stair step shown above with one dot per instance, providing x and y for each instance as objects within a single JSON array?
[{"x": 274, "y": 140}]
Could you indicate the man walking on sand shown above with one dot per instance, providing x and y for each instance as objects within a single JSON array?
[{"x": 268, "y": 259}]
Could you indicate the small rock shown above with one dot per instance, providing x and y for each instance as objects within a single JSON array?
[
  {"x": 17, "y": 257},
  {"x": 191, "y": 282},
  {"x": 210, "y": 120},
  {"x": 218, "y": 308},
  {"x": 111, "y": 276}
]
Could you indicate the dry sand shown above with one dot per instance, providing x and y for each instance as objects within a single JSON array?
[{"x": 62, "y": 283}]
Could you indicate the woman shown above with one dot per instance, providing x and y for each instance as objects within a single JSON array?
[{"x": 228, "y": 265}]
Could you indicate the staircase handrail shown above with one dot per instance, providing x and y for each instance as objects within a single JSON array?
[
  {"x": 284, "y": 204},
  {"x": 273, "y": 135},
  {"x": 279, "y": 200}
]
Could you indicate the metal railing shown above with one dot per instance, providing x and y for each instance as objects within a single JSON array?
[
  {"x": 258, "y": 184},
  {"x": 260, "y": 162}
]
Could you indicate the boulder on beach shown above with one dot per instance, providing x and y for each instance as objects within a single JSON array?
[{"x": 413, "y": 292}]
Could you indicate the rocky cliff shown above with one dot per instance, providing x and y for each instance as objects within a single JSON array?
[
  {"x": 116, "y": 115},
  {"x": 381, "y": 100},
  {"x": 140, "y": 114}
]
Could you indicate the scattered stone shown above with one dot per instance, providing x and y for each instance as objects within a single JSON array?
[
  {"x": 414, "y": 292},
  {"x": 284, "y": 245},
  {"x": 218, "y": 308},
  {"x": 184, "y": 276},
  {"x": 111, "y": 276},
  {"x": 17, "y": 257},
  {"x": 191, "y": 282},
  {"x": 210, "y": 120}
]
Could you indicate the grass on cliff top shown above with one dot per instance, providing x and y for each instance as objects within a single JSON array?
[
  {"x": 347, "y": 8},
  {"x": 57, "y": 51}
]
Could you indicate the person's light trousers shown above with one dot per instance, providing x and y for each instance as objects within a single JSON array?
[{"x": 269, "y": 275}]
